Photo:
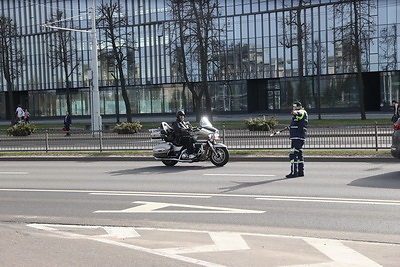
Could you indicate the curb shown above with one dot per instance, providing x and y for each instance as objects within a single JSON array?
[{"x": 232, "y": 158}]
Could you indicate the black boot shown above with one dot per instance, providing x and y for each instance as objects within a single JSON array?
[
  {"x": 300, "y": 171},
  {"x": 292, "y": 175},
  {"x": 293, "y": 171}
]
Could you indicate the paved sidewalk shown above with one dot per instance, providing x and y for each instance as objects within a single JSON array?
[{"x": 185, "y": 247}]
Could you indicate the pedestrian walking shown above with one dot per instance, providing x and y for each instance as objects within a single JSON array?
[
  {"x": 297, "y": 135},
  {"x": 67, "y": 123},
  {"x": 396, "y": 112},
  {"x": 26, "y": 116},
  {"x": 19, "y": 114}
]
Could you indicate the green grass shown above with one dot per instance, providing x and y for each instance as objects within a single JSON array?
[{"x": 349, "y": 122}]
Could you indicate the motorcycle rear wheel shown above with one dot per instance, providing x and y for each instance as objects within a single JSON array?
[
  {"x": 169, "y": 163},
  {"x": 220, "y": 157}
]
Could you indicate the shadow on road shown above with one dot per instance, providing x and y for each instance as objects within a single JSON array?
[
  {"x": 389, "y": 180},
  {"x": 240, "y": 185},
  {"x": 159, "y": 170}
]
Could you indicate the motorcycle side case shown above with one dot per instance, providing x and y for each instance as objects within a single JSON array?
[
  {"x": 155, "y": 133},
  {"x": 161, "y": 150}
]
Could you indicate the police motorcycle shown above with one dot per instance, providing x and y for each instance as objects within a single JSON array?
[{"x": 206, "y": 145}]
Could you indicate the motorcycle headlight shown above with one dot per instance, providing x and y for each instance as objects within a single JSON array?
[{"x": 214, "y": 137}]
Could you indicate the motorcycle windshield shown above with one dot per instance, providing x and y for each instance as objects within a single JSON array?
[{"x": 204, "y": 122}]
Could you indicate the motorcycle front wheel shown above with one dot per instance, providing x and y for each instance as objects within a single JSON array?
[
  {"x": 169, "y": 163},
  {"x": 220, "y": 157}
]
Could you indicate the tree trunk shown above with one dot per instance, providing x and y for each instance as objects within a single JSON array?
[
  {"x": 197, "y": 105},
  {"x": 360, "y": 81},
  {"x": 208, "y": 101},
  {"x": 125, "y": 94},
  {"x": 11, "y": 103},
  {"x": 68, "y": 95},
  {"x": 67, "y": 89}
]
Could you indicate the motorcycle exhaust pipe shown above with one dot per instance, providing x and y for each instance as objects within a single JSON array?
[{"x": 174, "y": 159}]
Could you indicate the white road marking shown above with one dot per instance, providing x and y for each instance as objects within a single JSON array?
[
  {"x": 239, "y": 175},
  {"x": 159, "y": 253},
  {"x": 103, "y": 239},
  {"x": 223, "y": 241},
  {"x": 14, "y": 173},
  {"x": 197, "y": 195},
  {"x": 340, "y": 254},
  {"x": 332, "y": 200},
  {"x": 156, "y": 207},
  {"x": 148, "y": 195},
  {"x": 121, "y": 232}
]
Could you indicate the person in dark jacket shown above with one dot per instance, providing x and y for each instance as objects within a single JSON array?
[
  {"x": 396, "y": 111},
  {"x": 297, "y": 134},
  {"x": 181, "y": 132},
  {"x": 67, "y": 123}
]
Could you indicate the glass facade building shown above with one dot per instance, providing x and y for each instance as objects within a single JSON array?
[{"x": 269, "y": 54}]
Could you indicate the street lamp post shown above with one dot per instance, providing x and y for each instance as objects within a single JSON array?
[
  {"x": 94, "y": 93},
  {"x": 95, "y": 110}
]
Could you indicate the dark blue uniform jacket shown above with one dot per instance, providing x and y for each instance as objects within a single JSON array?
[{"x": 298, "y": 126}]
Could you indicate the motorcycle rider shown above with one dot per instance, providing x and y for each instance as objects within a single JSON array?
[
  {"x": 298, "y": 134},
  {"x": 181, "y": 132}
]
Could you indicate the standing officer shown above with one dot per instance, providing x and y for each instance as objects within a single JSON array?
[{"x": 298, "y": 134}]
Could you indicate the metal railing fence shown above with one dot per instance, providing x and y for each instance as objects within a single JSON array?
[{"x": 319, "y": 137}]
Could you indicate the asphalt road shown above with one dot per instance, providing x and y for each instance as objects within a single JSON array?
[{"x": 141, "y": 213}]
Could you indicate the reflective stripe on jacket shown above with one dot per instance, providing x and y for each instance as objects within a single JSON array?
[{"x": 298, "y": 126}]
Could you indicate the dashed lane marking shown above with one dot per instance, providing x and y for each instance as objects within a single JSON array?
[
  {"x": 13, "y": 173},
  {"x": 332, "y": 200},
  {"x": 148, "y": 195},
  {"x": 239, "y": 175}
]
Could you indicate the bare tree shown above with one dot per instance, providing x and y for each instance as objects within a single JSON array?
[
  {"x": 353, "y": 32},
  {"x": 231, "y": 64},
  {"x": 388, "y": 47},
  {"x": 113, "y": 23},
  {"x": 196, "y": 41},
  {"x": 61, "y": 50},
  {"x": 297, "y": 32},
  {"x": 388, "y": 57},
  {"x": 11, "y": 57}
]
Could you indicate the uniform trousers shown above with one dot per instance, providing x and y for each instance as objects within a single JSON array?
[{"x": 296, "y": 156}]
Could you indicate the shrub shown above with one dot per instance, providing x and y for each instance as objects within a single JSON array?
[
  {"x": 127, "y": 127},
  {"x": 259, "y": 124},
  {"x": 21, "y": 129}
]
